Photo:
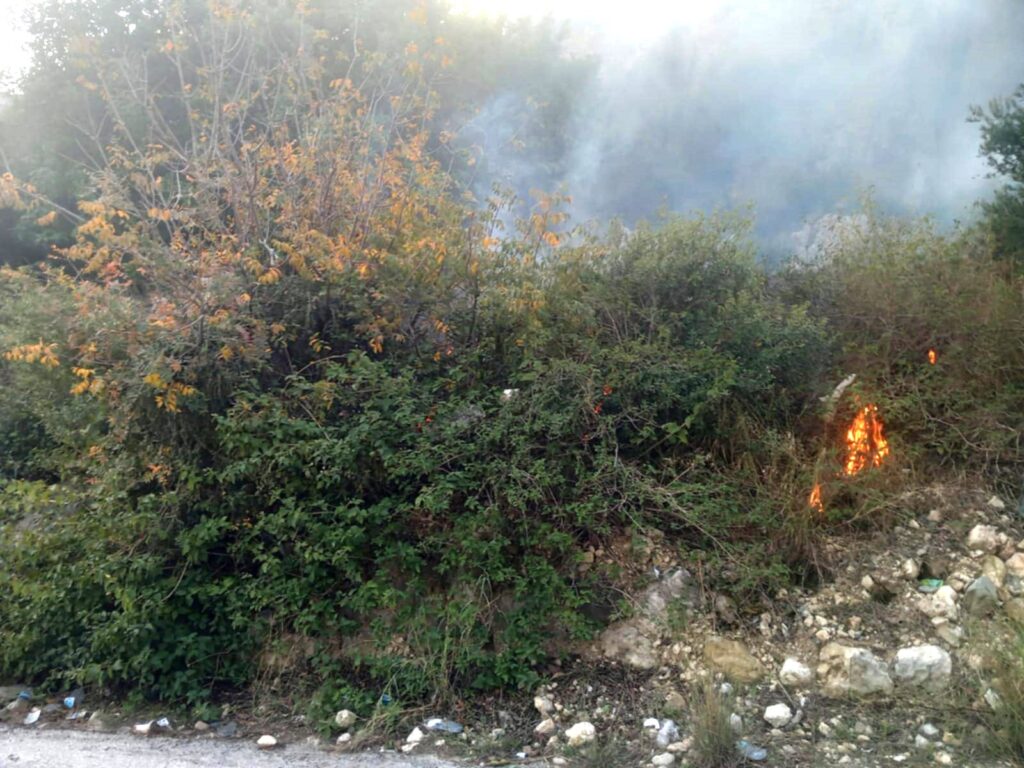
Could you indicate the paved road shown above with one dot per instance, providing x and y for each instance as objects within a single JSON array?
[{"x": 26, "y": 748}]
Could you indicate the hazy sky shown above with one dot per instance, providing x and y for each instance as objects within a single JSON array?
[{"x": 795, "y": 106}]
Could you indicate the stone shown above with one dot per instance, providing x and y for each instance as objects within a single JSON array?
[
  {"x": 940, "y": 604},
  {"x": 726, "y": 610},
  {"x": 984, "y": 538},
  {"x": 657, "y": 598},
  {"x": 929, "y": 731},
  {"x": 995, "y": 569},
  {"x": 665, "y": 758},
  {"x": 345, "y": 719},
  {"x": 667, "y": 733},
  {"x": 950, "y": 634},
  {"x": 1015, "y": 564},
  {"x": 925, "y": 666},
  {"x": 910, "y": 569},
  {"x": 1015, "y": 609},
  {"x": 736, "y": 723},
  {"x": 733, "y": 660},
  {"x": 544, "y": 705},
  {"x": 544, "y": 727},
  {"x": 795, "y": 673},
  {"x": 345, "y": 738},
  {"x": 920, "y": 742},
  {"x": 630, "y": 642},
  {"x": 415, "y": 736},
  {"x": 846, "y": 670},
  {"x": 675, "y": 703},
  {"x": 201, "y": 726},
  {"x": 778, "y": 715},
  {"x": 581, "y": 733},
  {"x": 266, "y": 741},
  {"x": 981, "y": 598},
  {"x": 997, "y": 504}
]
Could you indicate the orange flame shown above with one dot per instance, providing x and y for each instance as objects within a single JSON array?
[
  {"x": 815, "y": 499},
  {"x": 865, "y": 442},
  {"x": 932, "y": 356}
]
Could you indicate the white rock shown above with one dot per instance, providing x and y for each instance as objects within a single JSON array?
[
  {"x": 910, "y": 569},
  {"x": 345, "y": 719},
  {"x": 666, "y": 758},
  {"x": 1015, "y": 564},
  {"x": 943, "y": 758},
  {"x": 736, "y": 723},
  {"x": 922, "y": 743},
  {"x": 925, "y": 666},
  {"x": 559, "y": 761},
  {"x": 544, "y": 727},
  {"x": 667, "y": 733},
  {"x": 651, "y": 724},
  {"x": 929, "y": 731},
  {"x": 344, "y": 738},
  {"x": 266, "y": 741},
  {"x": 415, "y": 736},
  {"x": 940, "y": 604},
  {"x": 984, "y": 538},
  {"x": 778, "y": 715},
  {"x": 580, "y": 733},
  {"x": 996, "y": 503},
  {"x": 846, "y": 670},
  {"x": 143, "y": 729},
  {"x": 544, "y": 705},
  {"x": 795, "y": 673}
]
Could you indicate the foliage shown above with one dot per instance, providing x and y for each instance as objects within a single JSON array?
[
  {"x": 714, "y": 740},
  {"x": 1002, "y": 144},
  {"x": 286, "y": 407}
]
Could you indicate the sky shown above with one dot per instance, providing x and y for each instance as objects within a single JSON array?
[{"x": 795, "y": 107}]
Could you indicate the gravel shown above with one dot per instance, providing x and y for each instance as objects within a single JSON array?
[{"x": 23, "y": 748}]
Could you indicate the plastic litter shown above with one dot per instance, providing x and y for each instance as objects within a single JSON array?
[
  {"x": 440, "y": 724},
  {"x": 750, "y": 752},
  {"x": 385, "y": 699},
  {"x": 929, "y": 585},
  {"x": 33, "y": 717},
  {"x": 25, "y": 695}
]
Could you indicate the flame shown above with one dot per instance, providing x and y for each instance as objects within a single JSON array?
[
  {"x": 815, "y": 500},
  {"x": 865, "y": 442},
  {"x": 932, "y": 356}
]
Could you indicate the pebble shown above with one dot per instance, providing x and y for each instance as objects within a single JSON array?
[
  {"x": 795, "y": 673},
  {"x": 345, "y": 719},
  {"x": 266, "y": 741},
  {"x": 665, "y": 758},
  {"x": 580, "y": 733},
  {"x": 778, "y": 715},
  {"x": 344, "y": 738},
  {"x": 546, "y": 726}
]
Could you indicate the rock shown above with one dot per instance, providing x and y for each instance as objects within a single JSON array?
[
  {"x": 415, "y": 736},
  {"x": 996, "y": 503},
  {"x": 993, "y": 699},
  {"x": 846, "y": 670},
  {"x": 950, "y": 634},
  {"x": 201, "y": 726},
  {"x": 733, "y": 660},
  {"x": 345, "y": 738},
  {"x": 995, "y": 569},
  {"x": 580, "y": 734},
  {"x": 882, "y": 589},
  {"x": 678, "y": 585},
  {"x": 929, "y": 731},
  {"x": 778, "y": 715},
  {"x": 726, "y": 611},
  {"x": 920, "y": 742},
  {"x": 1015, "y": 609},
  {"x": 981, "y": 598},
  {"x": 940, "y": 604},
  {"x": 984, "y": 538},
  {"x": 925, "y": 666},
  {"x": 630, "y": 642},
  {"x": 665, "y": 758},
  {"x": 675, "y": 703},
  {"x": 266, "y": 741},
  {"x": 544, "y": 727},
  {"x": 667, "y": 733},
  {"x": 143, "y": 729},
  {"x": 934, "y": 567},
  {"x": 544, "y": 705},
  {"x": 910, "y": 569},
  {"x": 795, "y": 673},
  {"x": 1015, "y": 564},
  {"x": 345, "y": 719}
]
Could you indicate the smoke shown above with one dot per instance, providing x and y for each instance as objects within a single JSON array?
[{"x": 797, "y": 107}]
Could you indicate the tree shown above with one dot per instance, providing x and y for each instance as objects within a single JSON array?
[{"x": 1002, "y": 144}]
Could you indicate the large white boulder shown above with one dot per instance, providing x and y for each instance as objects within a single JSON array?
[{"x": 925, "y": 666}]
